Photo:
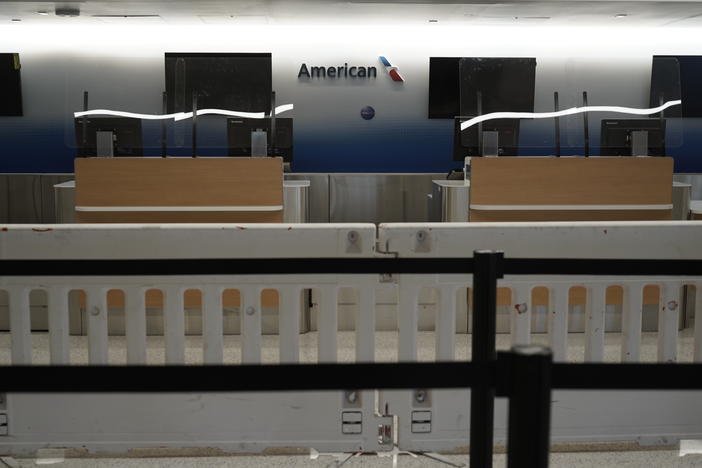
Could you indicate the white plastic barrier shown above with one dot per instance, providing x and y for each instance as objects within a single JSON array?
[
  {"x": 643, "y": 417},
  {"x": 116, "y": 423},
  {"x": 185, "y": 242},
  {"x": 312, "y": 419},
  {"x": 623, "y": 240}
]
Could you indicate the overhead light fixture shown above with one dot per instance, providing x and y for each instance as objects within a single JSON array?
[
  {"x": 532, "y": 18},
  {"x": 43, "y": 13},
  {"x": 15, "y": 20},
  {"x": 217, "y": 19},
  {"x": 250, "y": 19},
  {"x": 433, "y": 20},
  {"x": 125, "y": 16},
  {"x": 621, "y": 15},
  {"x": 123, "y": 19},
  {"x": 67, "y": 11}
]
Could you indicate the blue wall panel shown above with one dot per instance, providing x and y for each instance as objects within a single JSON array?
[{"x": 417, "y": 147}]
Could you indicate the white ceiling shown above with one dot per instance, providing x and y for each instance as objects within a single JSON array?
[{"x": 550, "y": 12}]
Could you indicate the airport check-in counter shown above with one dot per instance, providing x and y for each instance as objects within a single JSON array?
[
  {"x": 296, "y": 201},
  {"x": 332, "y": 197},
  {"x": 377, "y": 198}
]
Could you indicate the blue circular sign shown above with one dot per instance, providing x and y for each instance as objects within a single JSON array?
[{"x": 367, "y": 113}]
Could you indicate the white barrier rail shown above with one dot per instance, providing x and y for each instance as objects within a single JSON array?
[
  {"x": 178, "y": 242},
  {"x": 556, "y": 240},
  {"x": 624, "y": 240},
  {"x": 597, "y": 240}
]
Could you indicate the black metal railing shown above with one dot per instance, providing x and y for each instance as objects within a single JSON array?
[{"x": 525, "y": 375}]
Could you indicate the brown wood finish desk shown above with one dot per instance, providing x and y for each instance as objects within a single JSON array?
[
  {"x": 180, "y": 190},
  {"x": 571, "y": 189}
]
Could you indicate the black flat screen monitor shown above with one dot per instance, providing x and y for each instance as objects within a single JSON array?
[
  {"x": 239, "y": 136},
  {"x": 666, "y": 85},
  {"x": 616, "y": 138},
  {"x": 506, "y": 84},
  {"x": 126, "y": 135},
  {"x": 444, "y": 88},
  {"x": 10, "y": 85},
  {"x": 230, "y": 81},
  {"x": 466, "y": 142}
]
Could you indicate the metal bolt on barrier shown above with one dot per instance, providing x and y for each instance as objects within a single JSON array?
[{"x": 351, "y": 396}]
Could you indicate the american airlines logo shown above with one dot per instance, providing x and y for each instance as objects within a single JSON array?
[
  {"x": 345, "y": 71},
  {"x": 392, "y": 71}
]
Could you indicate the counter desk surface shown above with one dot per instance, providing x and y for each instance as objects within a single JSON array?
[{"x": 507, "y": 189}]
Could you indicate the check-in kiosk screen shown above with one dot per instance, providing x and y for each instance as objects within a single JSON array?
[
  {"x": 10, "y": 85},
  {"x": 504, "y": 84},
  {"x": 231, "y": 81}
]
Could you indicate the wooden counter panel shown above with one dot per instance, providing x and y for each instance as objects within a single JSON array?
[
  {"x": 179, "y": 181},
  {"x": 571, "y": 181},
  {"x": 569, "y": 215},
  {"x": 179, "y": 217}
]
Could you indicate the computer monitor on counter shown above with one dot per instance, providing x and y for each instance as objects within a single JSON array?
[
  {"x": 242, "y": 132},
  {"x": 500, "y": 138},
  {"x": 632, "y": 137},
  {"x": 108, "y": 137}
]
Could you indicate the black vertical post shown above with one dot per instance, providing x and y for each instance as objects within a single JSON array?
[
  {"x": 479, "y": 109},
  {"x": 529, "y": 420},
  {"x": 84, "y": 125},
  {"x": 487, "y": 269},
  {"x": 586, "y": 127},
  {"x": 164, "y": 135},
  {"x": 661, "y": 101},
  {"x": 557, "y": 121},
  {"x": 272, "y": 149},
  {"x": 194, "y": 124}
]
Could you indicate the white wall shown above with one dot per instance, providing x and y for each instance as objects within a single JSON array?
[{"x": 122, "y": 67}]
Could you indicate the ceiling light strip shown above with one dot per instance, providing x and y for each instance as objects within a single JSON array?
[
  {"x": 571, "y": 111},
  {"x": 182, "y": 115}
]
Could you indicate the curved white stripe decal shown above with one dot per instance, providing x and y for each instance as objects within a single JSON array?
[
  {"x": 571, "y": 111},
  {"x": 130, "y": 115},
  {"x": 183, "y": 115}
]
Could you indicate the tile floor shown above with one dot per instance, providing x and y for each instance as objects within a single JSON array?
[
  {"x": 647, "y": 459},
  {"x": 385, "y": 343}
]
